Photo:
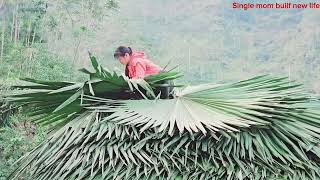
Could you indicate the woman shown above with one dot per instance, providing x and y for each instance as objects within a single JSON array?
[{"x": 137, "y": 65}]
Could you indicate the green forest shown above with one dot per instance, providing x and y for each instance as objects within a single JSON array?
[{"x": 245, "y": 104}]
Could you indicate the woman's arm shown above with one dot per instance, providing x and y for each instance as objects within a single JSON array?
[{"x": 140, "y": 71}]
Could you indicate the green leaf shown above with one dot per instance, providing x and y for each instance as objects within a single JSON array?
[
  {"x": 67, "y": 88},
  {"x": 68, "y": 101}
]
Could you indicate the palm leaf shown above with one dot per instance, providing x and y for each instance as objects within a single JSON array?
[
  {"x": 260, "y": 128},
  {"x": 66, "y": 97}
]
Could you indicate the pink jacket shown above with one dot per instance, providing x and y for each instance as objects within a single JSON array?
[{"x": 139, "y": 66}]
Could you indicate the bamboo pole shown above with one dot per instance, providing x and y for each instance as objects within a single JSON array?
[
  {"x": 12, "y": 27},
  {"x": 30, "y": 61},
  {"x": 16, "y": 26},
  {"x": 33, "y": 37},
  {"x": 28, "y": 34},
  {"x": 2, "y": 39},
  {"x": 19, "y": 28}
]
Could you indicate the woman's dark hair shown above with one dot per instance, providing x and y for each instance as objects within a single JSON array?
[{"x": 121, "y": 51}]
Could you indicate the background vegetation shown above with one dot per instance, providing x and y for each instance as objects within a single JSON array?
[{"x": 210, "y": 41}]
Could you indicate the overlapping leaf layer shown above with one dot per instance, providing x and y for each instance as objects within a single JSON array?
[{"x": 260, "y": 128}]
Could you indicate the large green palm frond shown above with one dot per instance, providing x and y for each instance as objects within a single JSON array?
[
  {"x": 7, "y": 109},
  {"x": 259, "y": 128},
  {"x": 56, "y": 103},
  {"x": 215, "y": 107}
]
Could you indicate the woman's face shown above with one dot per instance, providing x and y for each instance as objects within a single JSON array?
[{"x": 124, "y": 59}]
